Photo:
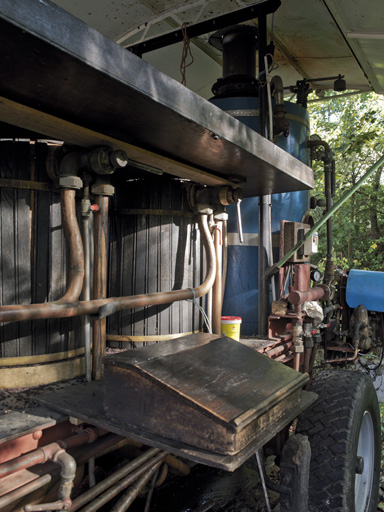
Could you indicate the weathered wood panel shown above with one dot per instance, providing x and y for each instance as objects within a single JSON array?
[
  {"x": 154, "y": 247},
  {"x": 32, "y": 254}
]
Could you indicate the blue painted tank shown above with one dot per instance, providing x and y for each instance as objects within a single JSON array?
[
  {"x": 241, "y": 293},
  {"x": 365, "y": 287}
]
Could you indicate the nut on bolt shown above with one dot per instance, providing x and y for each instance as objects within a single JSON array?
[
  {"x": 73, "y": 182},
  {"x": 229, "y": 195}
]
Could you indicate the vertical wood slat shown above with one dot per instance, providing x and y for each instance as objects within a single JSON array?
[
  {"x": 49, "y": 254},
  {"x": 165, "y": 260},
  {"x": 154, "y": 254},
  {"x": 153, "y": 259},
  {"x": 15, "y": 254},
  {"x": 42, "y": 252},
  {"x": 140, "y": 257}
]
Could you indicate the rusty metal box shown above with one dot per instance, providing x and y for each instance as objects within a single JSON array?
[{"x": 214, "y": 394}]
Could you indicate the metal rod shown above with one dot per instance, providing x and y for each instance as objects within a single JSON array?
[
  {"x": 323, "y": 220},
  {"x": 225, "y": 255},
  {"x": 121, "y": 484},
  {"x": 262, "y": 478},
  {"x": 204, "y": 27},
  {"x": 150, "y": 492},
  {"x": 113, "y": 304},
  {"x": 102, "y": 486},
  {"x": 336, "y": 96},
  {"x": 217, "y": 290},
  {"x": 129, "y": 496}
]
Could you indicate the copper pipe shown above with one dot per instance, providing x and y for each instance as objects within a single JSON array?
[
  {"x": 113, "y": 304},
  {"x": 344, "y": 359},
  {"x": 313, "y": 356},
  {"x": 307, "y": 358},
  {"x": 45, "y": 453},
  {"x": 225, "y": 255},
  {"x": 105, "y": 484},
  {"x": 75, "y": 265},
  {"x": 176, "y": 464},
  {"x": 279, "y": 350},
  {"x": 86, "y": 321},
  {"x": 162, "y": 475},
  {"x": 120, "y": 485},
  {"x": 129, "y": 496},
  {"x": 75, "y": 244},
  {"x": 217, "y": 288},
  {"x": 24, "y": 491},
  {"x": 100, "y": 283}
]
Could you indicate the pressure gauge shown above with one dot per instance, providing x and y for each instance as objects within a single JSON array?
[{"x": 316, "y": 275}]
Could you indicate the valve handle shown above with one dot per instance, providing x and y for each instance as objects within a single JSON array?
[{"x": 239, "y": 223}]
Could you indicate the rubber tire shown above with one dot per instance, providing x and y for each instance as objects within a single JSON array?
[{"x": 332, "y": 425}]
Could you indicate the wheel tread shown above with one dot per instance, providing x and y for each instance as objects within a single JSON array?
[{"x": 328, "y": 424}]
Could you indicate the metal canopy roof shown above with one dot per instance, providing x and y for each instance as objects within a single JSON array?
[{"x": 313, "y": 38}]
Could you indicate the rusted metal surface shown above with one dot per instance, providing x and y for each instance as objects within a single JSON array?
[
  {"x": 320, "y": 292},
  {"x": 48, "y": 452},
  {"x": 302, "y": 274},
  {"x": 93, "y": 307}
]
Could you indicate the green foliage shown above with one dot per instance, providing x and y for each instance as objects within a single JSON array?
[{"x": 354, "y": 128}]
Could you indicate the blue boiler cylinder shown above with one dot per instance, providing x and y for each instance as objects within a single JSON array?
[{"x": 241, "y": 292}]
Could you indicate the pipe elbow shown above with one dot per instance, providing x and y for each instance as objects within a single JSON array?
[
  {"x": 277, "y": 85},
  {"x": 67, "y": 474},
  {"x": 72, "y": 163},
  {"x": 67, "y": 464}
]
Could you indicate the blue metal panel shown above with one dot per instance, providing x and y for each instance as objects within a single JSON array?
[
  {"x": 241, "y": 295},
  {"x": 365, "y": 287}
]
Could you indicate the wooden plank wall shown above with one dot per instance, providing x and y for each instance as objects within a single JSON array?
[
  {"x": 152, "y": 252},
  {"x": 32, "y": 254}
]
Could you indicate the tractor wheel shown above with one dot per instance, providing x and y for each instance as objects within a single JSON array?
[{"x": 343, "y": 427}]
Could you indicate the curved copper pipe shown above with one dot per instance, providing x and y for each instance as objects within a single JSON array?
[
  {"x": 59, "y": 309},
  {"x": 351, "y": 359},
  {"x": 76, "y": 267},
  {"x": 75, "y": 244}
]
